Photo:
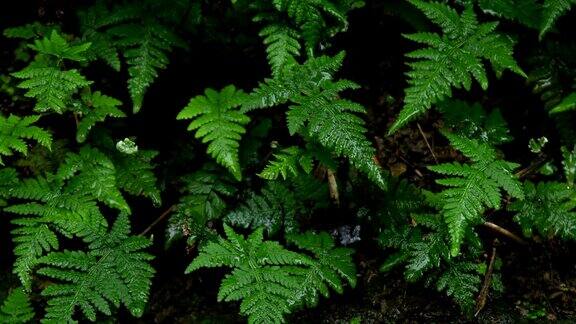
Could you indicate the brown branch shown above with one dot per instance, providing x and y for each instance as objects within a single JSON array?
[
  {"x": 531, "y": 168},
  {"x": 505, "y": 232},
  {"x": 483, "y": 295},
  {"x": 427, "y": 144},
  {"x": 158, "y": 220},
  {"x": 333, "y": 187}
]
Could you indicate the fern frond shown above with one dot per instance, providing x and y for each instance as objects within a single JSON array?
[
  {"x": 92, "y": 170},
  {"x": 548, "y": 208},
  {"x": 569, "y": 165},
  {"x": 57, "y": 46},
  {"x": 50, "y": 86},
  {"x": 263, "y": 276},
  {"x": 30, "y": 31},
  {"x": 274, "y": 208},
  {"x": 271, "y": 281},
  {"x": 97, "y": 108},
  {"x": 461, "y": 281},
  {"x": 551, "y": 11},
  {"x": 53, "y": 209},
  {"x": 526, "y": 12},
  {"x": 145, "y": 47},
  {"x": 331, "y": 266},
  {"x": 318, "y": 112},
  {"x": 309, "y": 15},
  {"x": 567, "y": 104},
  {"x": 204, "y": 199},
  {"x": 16, "y": 308},
  {"x": 293, "y": 81},
  {"x": 135, "y": 174},
  {"x": 282, "y": 46},
  {"x": 218, "y": 122},
  {"x": 473, "y": 187},
  {"x": 472, "y": 121},
  {"x": 451, "y": 60},
  {"x": 114, "y": 271},
  {"x": 14, "y": 129},
  {"x": 288, "y": 162}
]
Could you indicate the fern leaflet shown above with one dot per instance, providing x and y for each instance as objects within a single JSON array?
[
  {"x": 95, "y": 108},
  {"x": 263, "y": 276},
  {"x": 282, "y": 46},
  {"x": 332, "y": 265},
  {"x": 551, "y": 11},
  {"x": 453, "y": 59},
  {"x": 16, "y": 308},
  {"x": 549, "y": 207},
  {"x": 14, "y": 129},
  {"x": 274, "y": 208},
  {"x": 113, "y": 271},
  {"x": 288, "y": 162},
  {"x": 217, "y": 122},
  {"x": 204, "y": 200},
  {"x": 473, "y": 187},
  {"x": 317, "y": 111}
]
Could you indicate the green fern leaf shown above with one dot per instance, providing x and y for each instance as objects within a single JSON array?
[
  {"x": 30, "y": 31},
  {"x": 274, "y": 208},
  {"x": 204, "y": 199},
  {"x": 288, "y": 162},
  {"x": 51, "y": 87},
  {"x": 318, "y": 112},
  {"x": 569, "y": 165},
  {"x": 53, "y": 209},
  {"x": 472, "y": 121},
  {"x": 552, "y": 10},
  {"x": 92, "y": 169},
  {"x": 145, "y": 46},
  {"x": 294, "y": 80},
  {"x": 452, "y": 60},
  {"x": 14, "y": 129},
  {"x": 135, "y": 174},
  {"x": 217, "y": 122},
  {"x": 57, "y": 46},
  {"x": 96, "y": 108},
  {"x": 281, "y": 45},
  {"x": 549, "y": 208},
  {"x": 263, "y": 276},
  {"x": 114, "y": 271},
  {"x": 16, "y": 308},
  {"x": 474, "y": 187},
  {"x": 567, "y": 104},
  {"x": 332, "y": 265},
  {"x": 314, "y": 18},
  {"x": 526, "y": 12},
  {"x": 461, "y": 281}
]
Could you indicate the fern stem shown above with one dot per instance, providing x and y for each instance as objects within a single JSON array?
[
  {"x": 158, "y": 220},
  {"x": 505, "y": 232}
]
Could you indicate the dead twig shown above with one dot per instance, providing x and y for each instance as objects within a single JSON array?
[
  {"x": 158, "y": 220},
  {"x": 505, "y": 232},
  {"x": 427, "y": 144},
  {"x": 333, "y": 187},
  {"x": 483, "y": 295}
]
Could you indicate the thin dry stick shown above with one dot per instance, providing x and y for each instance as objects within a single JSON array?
[
  {"x": 427, "y": 144},
  {"x": 483, "y": 295},
  {"x": 158, "y": 220},
  {"x": 505, "y": 232},
  {"x": 532, "y": 167},
  {"x": 333, "y": 186}
]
